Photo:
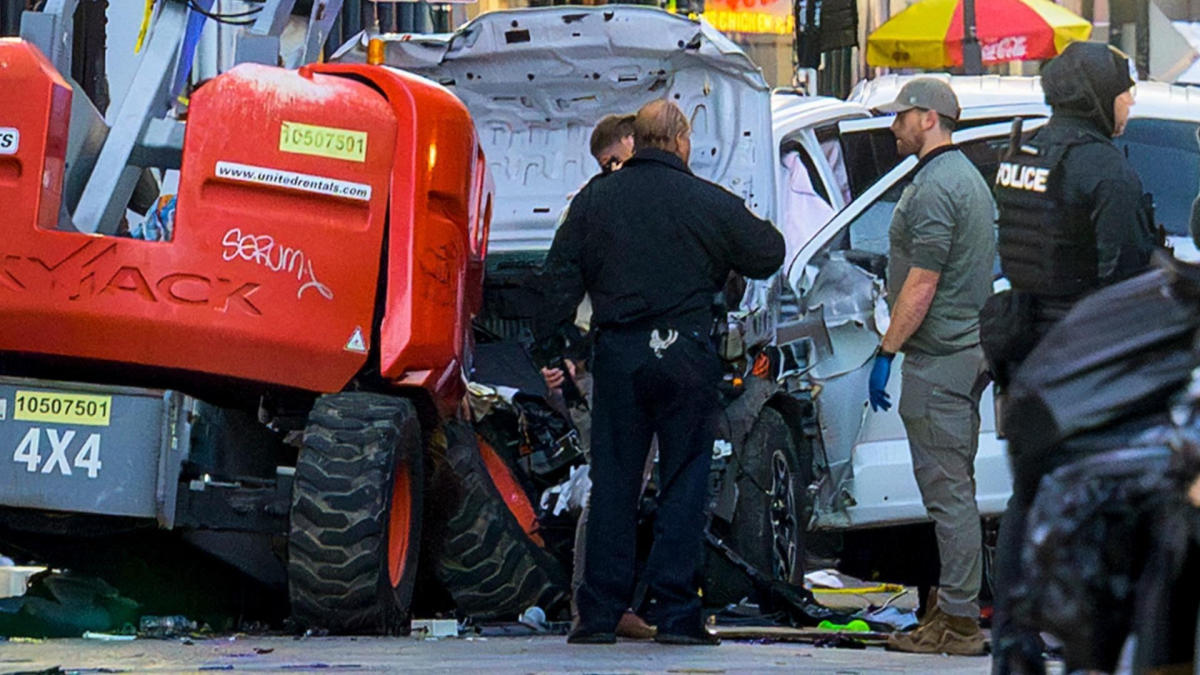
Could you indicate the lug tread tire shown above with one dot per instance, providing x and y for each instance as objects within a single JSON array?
[
  {"x": 341, "y": 502},
  {"x": 490, "y": 566}
]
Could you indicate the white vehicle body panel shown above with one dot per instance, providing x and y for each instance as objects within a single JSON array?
[{"x": 536, "y": 82}]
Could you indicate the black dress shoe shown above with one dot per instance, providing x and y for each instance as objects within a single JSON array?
[
  {"x": 701, "y": 638},
  {"x": 584, "y": 637}
]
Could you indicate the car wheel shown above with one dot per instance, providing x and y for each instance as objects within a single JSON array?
[{"x": 769, "y": 522}]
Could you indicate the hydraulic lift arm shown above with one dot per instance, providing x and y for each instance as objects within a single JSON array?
[{"x": 142, "y": 134}]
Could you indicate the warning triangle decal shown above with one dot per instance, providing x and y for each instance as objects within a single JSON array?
[{"x": 356, "y": 342}]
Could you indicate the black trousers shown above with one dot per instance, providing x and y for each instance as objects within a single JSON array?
[
  {"x": 638, "y": 394},
  {"x": 1015, "y": 649}
]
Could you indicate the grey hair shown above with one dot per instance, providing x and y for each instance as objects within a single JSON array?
[{"x": 658, "y": 124}]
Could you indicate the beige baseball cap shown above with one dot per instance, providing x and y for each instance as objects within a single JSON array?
[{"x": 928, "y": 93}]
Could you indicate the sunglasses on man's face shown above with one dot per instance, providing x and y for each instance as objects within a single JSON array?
[{"x": 610, "y": 164}]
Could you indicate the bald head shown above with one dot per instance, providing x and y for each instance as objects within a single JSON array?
[{"x": 661, "y": 124}]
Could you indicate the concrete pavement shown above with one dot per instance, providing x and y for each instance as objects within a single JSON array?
[{"x": 451, "y": 655}]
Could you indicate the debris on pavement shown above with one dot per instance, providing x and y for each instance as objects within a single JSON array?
[
  {"x": 108, "y": 637},
  {"x": 823, "y": 579},
  {"x": 823, "y": 637},
  {"x": 14, "y": 579},
  {"x": 486, "y": 630},
  {"x": 897, "y": 618},
  {"x": 434, "y": 628},
  {"x": 854, "y": 626},
  {"x": 862, "y": 590},
  {"x": 535, "y": 618},
  {"x": 165, "y": 626},
  {"x": 64, "y": 604},
  {"x": 842, "y": 591},
  {"x": 853, "y": 608}
]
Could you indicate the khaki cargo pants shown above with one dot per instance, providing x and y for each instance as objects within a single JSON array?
[{"x": 939, "y": 403}]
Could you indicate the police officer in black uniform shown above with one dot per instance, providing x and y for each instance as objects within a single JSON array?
[
  {"x": 1073, "y": 218},
  {"x": 651, "y": 244}
]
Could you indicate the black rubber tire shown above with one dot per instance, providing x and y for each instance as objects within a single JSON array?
[
  {"x": 491, "y": 567},
  {"x": 338, "y": 574},
  {"x": 769, "y": 521}
]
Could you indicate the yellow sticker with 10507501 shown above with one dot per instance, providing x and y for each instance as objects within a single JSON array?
[
  {"x": 309, "y": 139},
  {"x": 62, "y": 408}
]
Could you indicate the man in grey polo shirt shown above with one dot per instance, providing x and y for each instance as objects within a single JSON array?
[{"x": 939, "y": 275}]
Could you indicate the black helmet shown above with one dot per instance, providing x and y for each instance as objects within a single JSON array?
[{"x": 1085, "y": 79}]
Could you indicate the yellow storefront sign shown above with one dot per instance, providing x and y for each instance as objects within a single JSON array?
[{"x": 728, "y": 21}]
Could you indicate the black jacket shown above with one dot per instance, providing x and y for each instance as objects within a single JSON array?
[
  {"x": 1195, "y": 225},
  {"x": 1098, "y": 177},
  {"x": 652, "y": 244}
]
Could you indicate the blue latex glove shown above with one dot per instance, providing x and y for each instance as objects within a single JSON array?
[{"x": 877, "y": 390}]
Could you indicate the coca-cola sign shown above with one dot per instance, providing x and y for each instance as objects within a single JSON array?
[{"x": 1004, "y": 49}]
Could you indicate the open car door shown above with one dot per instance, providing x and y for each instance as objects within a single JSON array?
[
  {"x": 870, "y": 151},
  {"x": 830, "y": 151}
]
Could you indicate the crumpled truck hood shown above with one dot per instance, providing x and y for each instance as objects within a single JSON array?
[{"x": 537, "y": 80}]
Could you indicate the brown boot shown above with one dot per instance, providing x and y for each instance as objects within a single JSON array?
[
  {"x": 633, "y": 627},
  {"x": 930, "y": 605},
  {"x": 942, "y": 634}
]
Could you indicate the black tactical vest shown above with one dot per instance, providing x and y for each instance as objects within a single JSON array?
[{"x": 1047, "y": 247}]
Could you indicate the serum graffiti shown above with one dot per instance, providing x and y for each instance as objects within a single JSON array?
[{"x": 264, "y": 250}]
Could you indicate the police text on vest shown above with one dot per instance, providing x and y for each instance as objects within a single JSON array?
[{"x": 1022, "y": 177}]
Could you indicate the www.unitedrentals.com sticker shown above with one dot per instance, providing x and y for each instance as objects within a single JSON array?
[{"x": 322, "y": 185}]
